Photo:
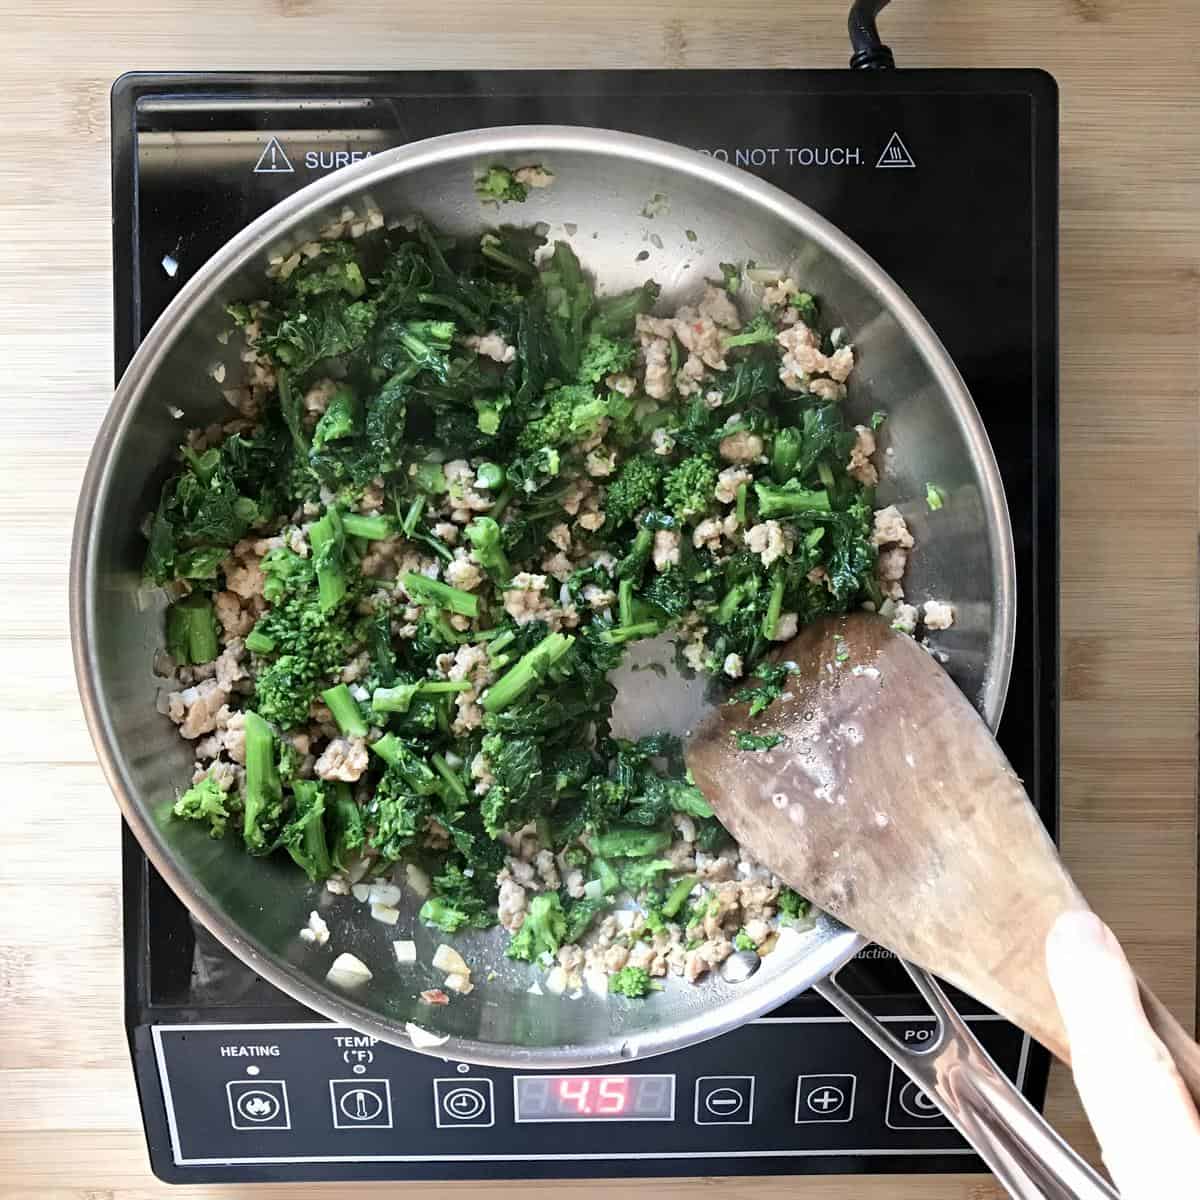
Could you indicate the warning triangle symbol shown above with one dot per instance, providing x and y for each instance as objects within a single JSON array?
[
  {"x": 273, "y": 160},
  {"x": 895, "y": 154}
]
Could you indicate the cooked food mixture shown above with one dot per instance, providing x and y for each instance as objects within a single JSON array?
[{"x": 461, "y": 481}]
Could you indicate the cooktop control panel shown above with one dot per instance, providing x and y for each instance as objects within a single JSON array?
[{"x": 779, "y": 1088}]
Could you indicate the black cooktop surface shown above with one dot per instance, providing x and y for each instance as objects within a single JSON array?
[{"x": 949, "y": 179}]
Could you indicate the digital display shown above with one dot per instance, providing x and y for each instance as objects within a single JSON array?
[{"x": 594, "y": 1097}]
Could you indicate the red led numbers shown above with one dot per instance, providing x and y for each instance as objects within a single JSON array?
[
  {"x": 606, "y": 1097},
  {"x": 614, "y": 1095}
]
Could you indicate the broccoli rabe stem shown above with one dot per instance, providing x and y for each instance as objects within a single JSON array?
[
  {"x": 789, "y": 502},
  {"x": 327, "y": 538},
  {"x": 453, "y": 780},
  {"x": 373, "y": 528},
  {"x": 311, "y": 852},
  {"x": 609, "y": 880},
  {"x": 681, "y": 889},
  {"x": 192, "y": 630},
  {"x": 347, "y": 822},
  {"x": 630, "y": 842},
  {"x": 398, "y": 699},
  {"x": 786, "y": 448},
  {"x": 630, "y": 633},
  {"x": 625, "y": 602},
  {"x": 259, "y": 643},
  {"x": 529, "y": 668},
  {"x": 345, "y": 710},
  {"x": 263, "y": 792},
  {"x": 634, "y": 563},
  {"x": 441, "y": 595},
  {"x": 774, "y": 604}
]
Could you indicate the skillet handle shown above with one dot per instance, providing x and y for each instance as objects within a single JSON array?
[{"x": 1024, "y": 1153}]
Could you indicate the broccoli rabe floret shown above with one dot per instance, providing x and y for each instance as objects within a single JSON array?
[
  {"x": 543, "y": 931},
  {"x": 634, "y": 488},
  {"x": 205, "y": 801},
  {"x": 758, "y": 330},
  {"x": 633, "y": 982},
  {"x": 689, "y": 488},
  {"x": 791, "y": 905},
  {"x": 605, "y": 356},
  {"x": 487, "y": 546},
  {"x": 498, "y": 185},
  {"x": 339, "y": 420}
]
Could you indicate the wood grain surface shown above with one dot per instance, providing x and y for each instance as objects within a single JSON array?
[{"x": 1128, "y": 74}]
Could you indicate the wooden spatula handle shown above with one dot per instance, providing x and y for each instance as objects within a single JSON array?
[{"x": 1180, "y": 1046}]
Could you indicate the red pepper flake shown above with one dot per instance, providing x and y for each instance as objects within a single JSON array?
[{"x": 435, "y": 996}]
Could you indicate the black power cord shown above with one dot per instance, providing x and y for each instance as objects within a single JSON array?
[{"x": 870, "y": 54}]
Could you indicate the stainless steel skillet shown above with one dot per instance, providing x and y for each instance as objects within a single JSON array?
[{"x": 633, "y": 208}]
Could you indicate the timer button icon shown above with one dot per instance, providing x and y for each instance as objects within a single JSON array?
[{"x": 464, "y": 1102}]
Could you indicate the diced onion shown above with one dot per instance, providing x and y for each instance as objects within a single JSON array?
[
  {"x": 534, "y": 989},
  {"x": 763, "y": 274},
  {"x": 418, "y": 881},
  {"x": 625, "y": 918},
  {"x": 348, "y": 972},
  {"x": 385, "y": 913},
  {"x": 422, "y": 1039},
  {"x": 384, "y": 893},
  {"x": 361, "y": 892},
  {"x": 556, "y": 981},
  {"x": 446, "y": 958},
  {"x": 406, "y": 952},
  {"x": 597, "y": 980},
  {"x": 593, "y": 889}
]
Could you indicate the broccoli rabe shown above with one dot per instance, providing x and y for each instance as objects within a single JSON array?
[
  {"x": 192, "y": 630},
  {"x": 497, "y": 185},
  {"x": 633, "y": 982},
  {"x": 470, "y": 483},
  {"x": 487, "y": 545},
  {"x": 205, "y": 801},
  {"x": 689, "y": 488},
  {"x": 543, "y": 930},
  {"x": 635, "y": 487}
]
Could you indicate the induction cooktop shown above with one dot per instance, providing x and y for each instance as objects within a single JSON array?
[{"x": 949, "y": 179}]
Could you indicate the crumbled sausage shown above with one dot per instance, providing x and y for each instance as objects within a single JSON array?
[
  {"x": 719, "y": 308},
  {"x": 860, "y": 466},
  {"x": 891, "y": 529},
  {"x": 666, "y": 549},
  {"x": 769, "y": 541},
  {"x": 525, "y": 599},
  {"x": 195, "y": 709},
  {"x": 728, "y": 482},
  {"x": 741, "y": 447},
  {"x": 491, "y": 345},
  {"x": 344, "y": 759}
]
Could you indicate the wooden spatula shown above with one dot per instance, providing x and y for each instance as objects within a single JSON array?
[{"x": 891, "y": 806}]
